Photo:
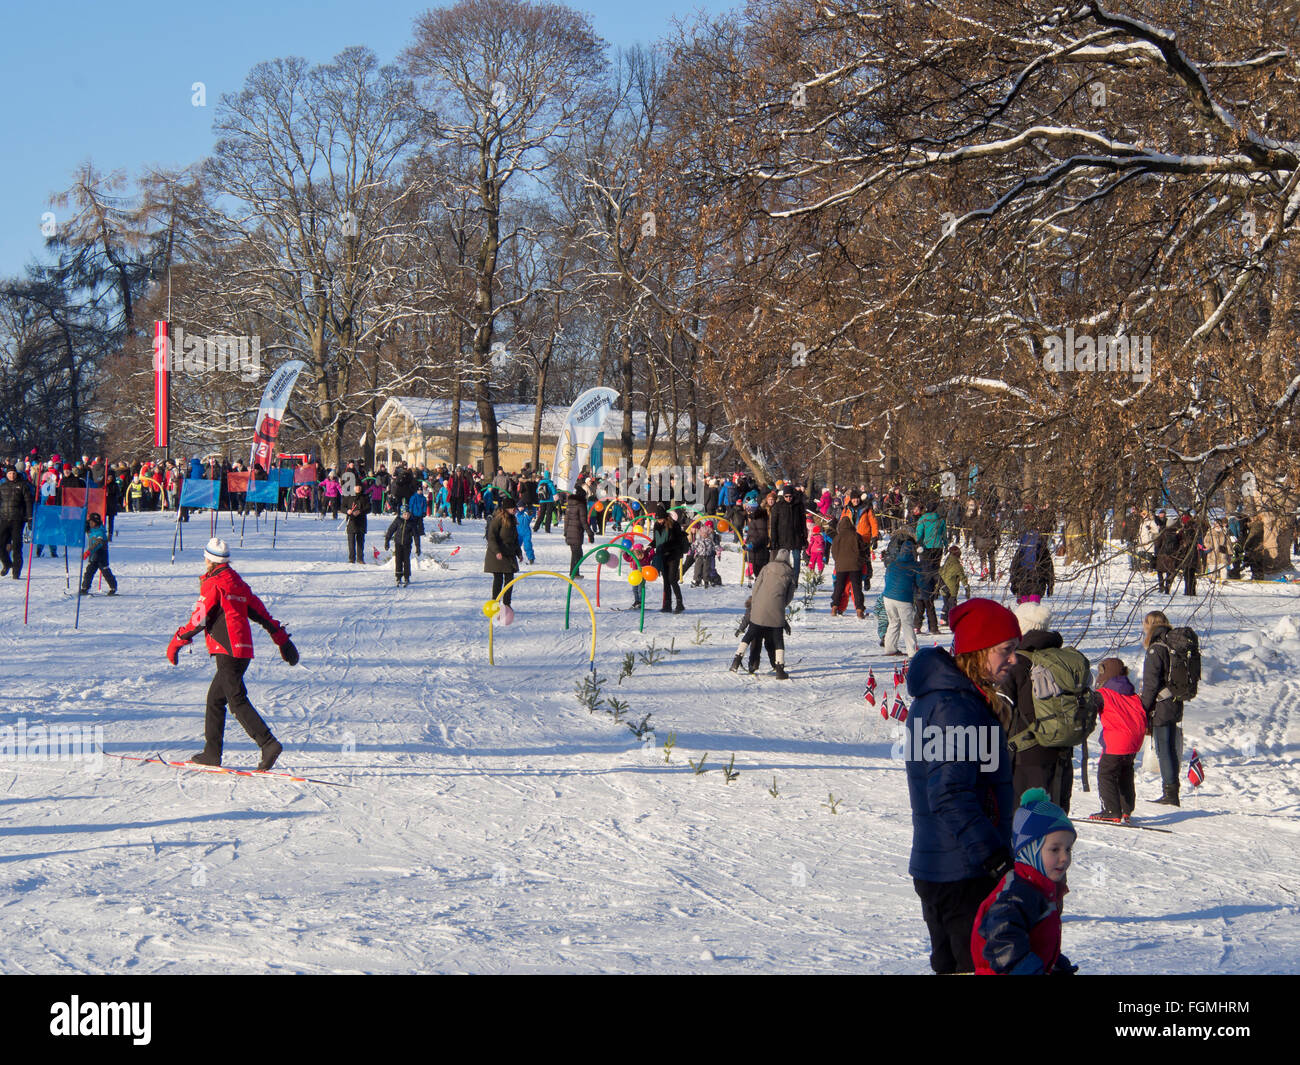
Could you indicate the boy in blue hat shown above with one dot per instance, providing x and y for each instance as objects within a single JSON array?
[{"x": 1017, "y": 930}]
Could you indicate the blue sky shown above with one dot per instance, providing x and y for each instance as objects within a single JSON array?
[{"x": 112, "y": 82}]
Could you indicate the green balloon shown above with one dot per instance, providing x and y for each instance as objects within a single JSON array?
[{"x": 602, "y": 556}]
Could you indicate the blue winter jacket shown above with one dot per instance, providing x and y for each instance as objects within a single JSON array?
[
  {"x": 903, "y": 576},
  {"x": 727, "y": 493},
  {"x": 961, "y": 814},
  {"x": 97, "y": 545}
]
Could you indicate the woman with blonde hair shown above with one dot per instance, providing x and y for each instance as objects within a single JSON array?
[{"x": 959, "y": 776}]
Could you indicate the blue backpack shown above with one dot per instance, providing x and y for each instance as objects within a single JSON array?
[{"x": 417, "y": 505}]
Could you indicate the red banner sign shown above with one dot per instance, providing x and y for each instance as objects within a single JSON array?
[
  {"x": 237, "y": 482},
  {"x": 161, "y": 370}
]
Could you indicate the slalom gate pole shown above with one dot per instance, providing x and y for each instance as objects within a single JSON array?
[
  {"x": 177, "y": 531},
  {"x": 242, "y": 522},
  {"x": 76, "y": 621},
  {"x": 30, "y": 555}
]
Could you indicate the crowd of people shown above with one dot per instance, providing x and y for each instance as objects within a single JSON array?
[{"x": 991, "y": 847}]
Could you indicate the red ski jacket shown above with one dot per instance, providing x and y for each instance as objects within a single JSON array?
[
  {"x": 222, "y": 612},
  {"x": 1123, "y": 722}
]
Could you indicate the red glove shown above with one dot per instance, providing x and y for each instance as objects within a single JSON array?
[
  {"x": 85, "y": 555},
  {"x": 174, "y": 649}
]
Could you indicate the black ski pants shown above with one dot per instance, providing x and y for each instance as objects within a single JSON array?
[{"x": 227, "y": 690}]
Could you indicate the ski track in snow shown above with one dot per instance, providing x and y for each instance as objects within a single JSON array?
[{"x": 495, "y": 826}]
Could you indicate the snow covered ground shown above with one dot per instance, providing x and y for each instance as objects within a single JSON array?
[{"x": 495, "y": 825}]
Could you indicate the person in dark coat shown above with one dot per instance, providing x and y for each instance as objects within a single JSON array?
[
  {"x": 503, "y": 554},
  {"x": 787, "y": 526},
  {"x": 757, "y": 537},
  {"x": 1168, "y": 556},
  {"x": 960, "y": 791},
  {"x": 1032, "y": 573},
  {"x": 575, "y": 528},
  {"x": 15, "y": 512},
  {"x": 670, "y": 547},
  {"x": 1189, "y": 555},
  {"x": 1049, "y": 768},
  {"x": 403, "y": 532},
  {"x": 1164, "y": 713},
  {"x": 846, "y": 555},
  {"x": 356, "y": 529}
]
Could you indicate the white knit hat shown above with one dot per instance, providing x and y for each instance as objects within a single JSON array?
[
  {"x": 1033, "y": 616},
  {"x": 216, "y": 551}
]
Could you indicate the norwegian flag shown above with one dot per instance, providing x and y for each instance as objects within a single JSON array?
[
  {"x": 898, "y": 677},
  {"x": 871, "y": 679},
  {"x": 870, "y": 696},
  {"x": 898, "y": 711},
  {"x": 905, "y": 665},
  {"x": 1195, "y": 771}
]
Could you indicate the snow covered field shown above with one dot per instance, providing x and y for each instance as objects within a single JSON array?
[{"x": 495, "y": 825}]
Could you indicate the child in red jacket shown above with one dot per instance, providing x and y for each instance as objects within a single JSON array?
[
  {"x": 1124, "y": 727},
  {"x": 1017, "y": 930}
]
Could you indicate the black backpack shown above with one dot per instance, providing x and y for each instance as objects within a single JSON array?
[{"x": 1184, "y": 648}]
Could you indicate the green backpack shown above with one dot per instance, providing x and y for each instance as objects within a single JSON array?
[{"x": 1065, "y": 707}]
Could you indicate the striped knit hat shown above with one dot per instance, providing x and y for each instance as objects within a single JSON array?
[{"x": 1036, "y": 818}]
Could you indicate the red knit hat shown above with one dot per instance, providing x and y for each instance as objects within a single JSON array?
[{"x": 980, "y": 623}]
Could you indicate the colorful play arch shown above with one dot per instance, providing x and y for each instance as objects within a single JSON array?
[{"x": 493, "y": 607}]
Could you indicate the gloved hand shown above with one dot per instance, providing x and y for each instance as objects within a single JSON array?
[
  {"x": 1064, "y": 967},
  {"x": 174, "y": 649},
  {"x": 289, "y": 652},
  {"x": 786, "y": 625},
  {"x": 998, "y": 865},
  {"x": 85, "y": 555}
]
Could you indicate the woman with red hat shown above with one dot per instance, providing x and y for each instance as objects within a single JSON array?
[{"x": 959, "y": 776}]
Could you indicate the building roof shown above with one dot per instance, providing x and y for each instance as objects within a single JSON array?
[{"x": 516, "y": 419}]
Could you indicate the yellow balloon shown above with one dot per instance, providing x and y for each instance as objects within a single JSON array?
[
  {"x": 649, "y": 572},
  {"x": 491, "y": 608},
  {"x": 638, "y": 529},
  {"x": 634, "y": 578}
]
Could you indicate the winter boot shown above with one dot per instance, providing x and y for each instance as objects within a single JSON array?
[
  {"x": 861, "y": 612},
  {"x": 270, "y": 752},
  {"x": 781, "y": 674},
  {"x": 735, "y": 663},
  {"x": 1169, "y": 797},
  {"x": 207, "y": 757}
]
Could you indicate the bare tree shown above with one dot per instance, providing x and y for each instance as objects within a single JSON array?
[{"x": 508, "y": 83}]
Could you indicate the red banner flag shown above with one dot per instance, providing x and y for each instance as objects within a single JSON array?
[
  {"x": 76, "y": 497},
  {"x": 161, "y": 369},
  {"x": 237, "y": 482}
]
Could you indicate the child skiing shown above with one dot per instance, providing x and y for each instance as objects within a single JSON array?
[
  {"x": 222, "y": 613},
  {"x": 402, "y": 533},
  {"x": 1124, "y": 727},
  {"x": 96, "y": 554}
]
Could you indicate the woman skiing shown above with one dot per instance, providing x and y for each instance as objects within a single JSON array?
[{"x": 222, "y": 613}]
